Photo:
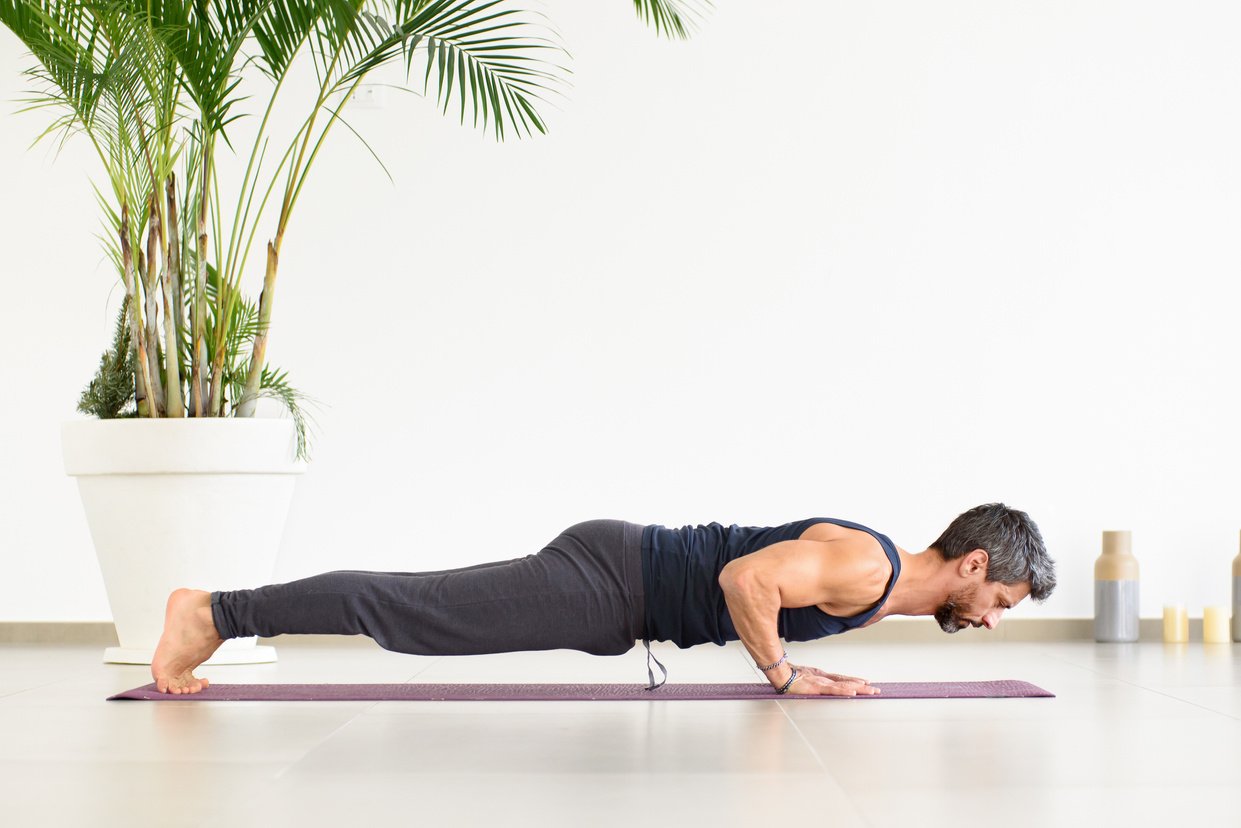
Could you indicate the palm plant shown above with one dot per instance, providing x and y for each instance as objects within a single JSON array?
[{"x": 154, "y": 85}]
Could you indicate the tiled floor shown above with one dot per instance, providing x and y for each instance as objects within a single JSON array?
[{"x": 1139, "y": 734}]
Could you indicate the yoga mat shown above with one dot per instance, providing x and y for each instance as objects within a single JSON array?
[{"x": 1006, "y": 688}]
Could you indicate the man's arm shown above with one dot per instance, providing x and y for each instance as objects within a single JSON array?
[{"x": 795, "y": 573}]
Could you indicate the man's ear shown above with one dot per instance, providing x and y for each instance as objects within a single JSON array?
[{"x": 974, "y": 561}]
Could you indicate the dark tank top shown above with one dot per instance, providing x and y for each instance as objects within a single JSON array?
[{"x": 684, "y": 602}]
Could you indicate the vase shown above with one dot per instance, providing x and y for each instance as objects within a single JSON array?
[
  {"x": 1116, "y": 589},
  {"x": 1236, "y": 598}
]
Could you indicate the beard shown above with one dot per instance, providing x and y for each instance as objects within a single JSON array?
[{"x": 948, "y": 614}]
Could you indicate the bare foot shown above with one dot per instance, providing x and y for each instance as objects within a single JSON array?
[{"x": 189, "y": 639}]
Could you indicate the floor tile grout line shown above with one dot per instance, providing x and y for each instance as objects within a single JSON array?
[
  {"x": 424, "y": 668},
  {"x": 1148, "y": 689},
  {"x": 1177, "y": 698},
  {"x": 325, "y": 739},
  {"x": 36, "y": 687},
  {"x": 744, "y": 655},
  {"x": 359, "y": 714},
  {"x": 818, "y": 759},
  {"x": 822, "y": 766}
]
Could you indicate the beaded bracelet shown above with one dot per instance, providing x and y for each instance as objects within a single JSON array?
[
  {"x": 788, "y": 683},
  {"x": 773, "y": 666}
]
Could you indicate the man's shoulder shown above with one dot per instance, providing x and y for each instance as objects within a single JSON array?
[
  {"x": 859, "y": 567},
  {"x": 852, "y": 541},
  {"x": 864, "y": 562},
  {"x": 854, "y": 552}
]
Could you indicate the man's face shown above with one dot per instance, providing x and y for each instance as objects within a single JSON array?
[{"x": 979, "y": 604}]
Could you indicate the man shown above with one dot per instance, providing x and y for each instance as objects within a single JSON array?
[{"x": 602, "y": 585}]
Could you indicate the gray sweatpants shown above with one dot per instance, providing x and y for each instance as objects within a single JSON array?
[{"x": 583, "y": 591}]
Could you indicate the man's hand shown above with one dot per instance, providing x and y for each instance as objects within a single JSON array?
[{"x": 812, "y": 681}]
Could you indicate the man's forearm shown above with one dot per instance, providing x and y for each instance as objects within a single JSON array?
[{"x": 754, "y": 609}]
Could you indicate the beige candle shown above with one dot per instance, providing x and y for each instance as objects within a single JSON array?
[
  {"x": 1215, "y": 626},
  {"x": 1175, "y": 625}
]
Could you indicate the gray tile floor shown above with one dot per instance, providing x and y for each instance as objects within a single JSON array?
[{"x": 1139, "y": 734}]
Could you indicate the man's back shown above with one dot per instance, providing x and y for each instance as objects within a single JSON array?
[{"x": 681, "y": 569}]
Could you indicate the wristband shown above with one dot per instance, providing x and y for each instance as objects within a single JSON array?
[
  {"x": 770, "y": 667},
  {"x": 788, "y": 683}
]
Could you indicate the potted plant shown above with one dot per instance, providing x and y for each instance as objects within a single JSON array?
[{"x": 189, "y": 486}]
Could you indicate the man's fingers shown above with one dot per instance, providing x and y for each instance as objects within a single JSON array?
[
  {"x": 863, "y": 686},
  {"x": 842, "y": 689},
  {"x": 816, "y": 685},
  {"x": 815, "y": 671}
]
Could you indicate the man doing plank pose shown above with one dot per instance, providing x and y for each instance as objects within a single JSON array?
[{"x": 603, "y": 585}]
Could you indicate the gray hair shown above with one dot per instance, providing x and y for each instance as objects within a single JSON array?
[{"x": 1013, "y": 543}]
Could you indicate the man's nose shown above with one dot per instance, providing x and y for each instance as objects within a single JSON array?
[{"x": 992, "y": 618}]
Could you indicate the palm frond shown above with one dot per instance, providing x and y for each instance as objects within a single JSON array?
[
  {"x": 109, "y": 77},
  {"x": 75, "y": 60},
  {"x": 336, "y": 114},
  {"x": 282, "y": 30},
  {"x": 204, "y": 39},
  {"x": 275, "y": 384},
  {"x": 672, "y": 18},
  {"x": 486, "y": 57}
]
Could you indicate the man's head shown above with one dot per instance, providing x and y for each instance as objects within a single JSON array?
[{"x": 994, "y": 557}]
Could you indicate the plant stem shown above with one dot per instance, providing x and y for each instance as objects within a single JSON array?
[
  {"x": 172, "y": 368},
  {"x": 258, "y": 353},
  {"x": 146, "y": 267},
  {"x": 235, "y": 259},
  {"x": 135, "y": 318},
  {"x": 201, "y": 409},
  {"x": 142, "y": 139},
  {"x": 174, "y": 267}
]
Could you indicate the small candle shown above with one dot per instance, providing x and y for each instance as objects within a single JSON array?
[
  {"x": 1175, "y": 625},
  {"x": 1215, "y": 626}
]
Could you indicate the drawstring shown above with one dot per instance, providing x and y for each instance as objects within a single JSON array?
[{"x": 649, "y": 671}]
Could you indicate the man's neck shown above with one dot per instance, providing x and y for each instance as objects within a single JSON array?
[{"x": 919, "y": 590}]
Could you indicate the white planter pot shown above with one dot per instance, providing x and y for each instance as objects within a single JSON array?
[{"x": 172, "y": 502}]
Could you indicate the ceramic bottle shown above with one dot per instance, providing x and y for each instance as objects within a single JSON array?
[
  {"x": 1116, "y": 589},
  {"x": 1236, "y": 598}
]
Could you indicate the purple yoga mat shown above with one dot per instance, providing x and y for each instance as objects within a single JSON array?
[{"x": 1005, "y": 688}]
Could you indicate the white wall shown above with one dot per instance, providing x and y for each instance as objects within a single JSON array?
[{"x": 882, "y": 261}]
